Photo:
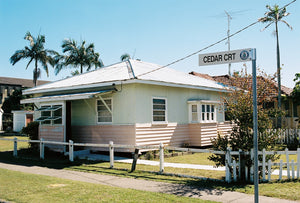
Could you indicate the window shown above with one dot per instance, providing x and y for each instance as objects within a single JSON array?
[
  {"x": 194, "y": 112},
  {"x": 104, "y": 111},
  {"x": 159, "y": 110},
  {"x": 50, "y": 115},
  {"x": 202, "y": 111},
  {"x": 208, "y": 112}
]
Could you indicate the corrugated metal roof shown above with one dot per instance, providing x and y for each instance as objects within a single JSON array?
[
  {"x": 124, "y": 71},
  {"x": 20, "y": 81}
]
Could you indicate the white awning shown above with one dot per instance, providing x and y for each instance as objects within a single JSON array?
[
  {"x": 66, "y": 97},
  {"x": 203, "y": 101}
]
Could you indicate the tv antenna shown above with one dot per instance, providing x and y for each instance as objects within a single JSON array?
[{"x": 228, "y": 39}]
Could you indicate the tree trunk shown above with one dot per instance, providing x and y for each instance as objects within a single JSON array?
[
  {"x": 278, "y": 75},
  {"x": 35, "y": 73}
]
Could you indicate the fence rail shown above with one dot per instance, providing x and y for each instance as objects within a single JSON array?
[{"x": 233, "y": 168}]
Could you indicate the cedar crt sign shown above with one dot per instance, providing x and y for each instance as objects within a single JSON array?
[{"x": 241, "y": 55}]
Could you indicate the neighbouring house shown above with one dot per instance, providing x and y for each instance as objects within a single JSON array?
[
  {"x": 21, "y": 119},
  {"x": 288, "y": 104},
  {"x": 7, "y": 86},
  {"x": 133, "y": 103}
]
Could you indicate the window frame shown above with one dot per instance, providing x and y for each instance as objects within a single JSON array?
[
  {"x": 112, "y": 118},
  {"x": 165, "y": 110},
  {"x": 206, "y": 111}
]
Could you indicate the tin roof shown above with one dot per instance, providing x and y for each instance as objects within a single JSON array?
[
  {"x": 228, "y": 80},
  {"x": 19, "y": 82},
  {"x": 131, "y": 71}
]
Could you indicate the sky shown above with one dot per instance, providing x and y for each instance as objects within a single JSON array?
[{"x": 154, "y": 31}]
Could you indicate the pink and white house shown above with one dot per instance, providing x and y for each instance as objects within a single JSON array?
[{"x": 131, "y": 102}]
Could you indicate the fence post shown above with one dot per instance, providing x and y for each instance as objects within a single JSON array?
[
  {"x": 298, "y": 162},
  {"x": 269, "y": 169},
  {"x": 111, "y": 154},
  {"x": 42, "y": 149},
  {"x": 15, "y": 154},
  {"x": 287, "y": 163},
  {"x": 135, "y": 158},
  {"x": 293, "y": 169},
  {"x": 264, "y": 164},
  {"x": 227, "y": 165},
  {"x": 234, "y": 170},
  {"x": 280, "y": 169},
  {"x": 71, "y": 151},
  {"x": 161, "y": 157},
  {"x": 251, "y": 168}
]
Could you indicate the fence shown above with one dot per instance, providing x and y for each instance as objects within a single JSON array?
[
  {"x": 285, "y": 136},
  {"x": 233, "y": 169}
]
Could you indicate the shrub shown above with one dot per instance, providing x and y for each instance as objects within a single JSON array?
[{"x": 32, "y": 131}]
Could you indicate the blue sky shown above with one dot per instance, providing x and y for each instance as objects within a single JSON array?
[{"x": 154, "y": 31}]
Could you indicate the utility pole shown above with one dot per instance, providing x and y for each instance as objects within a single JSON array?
[{"x": 228, "y": 40}]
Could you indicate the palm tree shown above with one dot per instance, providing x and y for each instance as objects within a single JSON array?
[
  {"x": 35, "y": 52},
  {"x": 275, "y": 15},
  {"x": 125, "y": 57},
  {"x": 77, "y": 55}
]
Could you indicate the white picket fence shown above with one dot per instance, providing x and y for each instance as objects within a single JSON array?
[
  {"x": 232, "y": 167},
  {"x": 286, "y": 136},
  {"x": 292, "y": 166}
]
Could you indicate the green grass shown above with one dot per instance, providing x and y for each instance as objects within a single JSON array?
[
  {"x": 196, "y": 158},
  {"x": 22, "y": 187},
  {"x": 283, "y": 189},
  {"x": 9, "y": 145}
]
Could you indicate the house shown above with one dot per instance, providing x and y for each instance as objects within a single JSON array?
[
  {"x": 290, "y": 107},
  {"x": 21, "y": 118},
  {"x": 133, "y": 103},
  {"x": 7, "y": 86}
]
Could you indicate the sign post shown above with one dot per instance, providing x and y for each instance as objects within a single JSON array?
[{"x": 235, "y": 56}]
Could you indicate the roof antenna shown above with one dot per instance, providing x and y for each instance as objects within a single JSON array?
[
  {"x": 228, "y": 39},
  {"x": 133, "y": 54}
]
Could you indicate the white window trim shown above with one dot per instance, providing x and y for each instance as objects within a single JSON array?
[
  {"x": 110, "y": 110},
  {"x": 62, "y": 113},
  {"x": 166, "y": 111},
  {"x": 199, "y": 104}
]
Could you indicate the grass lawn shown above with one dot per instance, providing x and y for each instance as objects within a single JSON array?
[
  {"x": 9, "y": 145},
  {"x": 22, "y": 187},
  {"x": 196, "y": 158},
  {"x": 284, "y": 189}
]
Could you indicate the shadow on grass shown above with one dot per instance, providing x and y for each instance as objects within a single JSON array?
[
  {"x": 184, "y": 186},
  {"x": 29, "y": 157}
]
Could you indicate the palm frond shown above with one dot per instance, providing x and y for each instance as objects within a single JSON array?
[
  {"x": 289, "y": 26},
  {"x": 29, "y": 62}
]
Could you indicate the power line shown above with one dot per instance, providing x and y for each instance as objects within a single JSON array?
[
  {"x": 192, "y": 54},
  {"x": 209, "y": 46}
]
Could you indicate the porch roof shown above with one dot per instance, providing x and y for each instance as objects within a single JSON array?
[{"x": 66, "y": 97}]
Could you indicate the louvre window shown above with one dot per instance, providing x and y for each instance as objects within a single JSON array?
[
  {"x": 159, "y": 110},
  {"x": 104, "y": 111}
]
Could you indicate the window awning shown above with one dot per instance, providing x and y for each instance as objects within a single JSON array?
[
  {"x": 203, "y": 101},
  {"x": 49, "y": 108},
  {"x": 66, "y": 97}
]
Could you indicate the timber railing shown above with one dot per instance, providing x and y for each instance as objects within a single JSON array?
[{"x": 234, "y": 170}]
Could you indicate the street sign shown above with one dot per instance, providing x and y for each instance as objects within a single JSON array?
[
  {"x": 234, "y": 56},
  {"x": 241, "y": 55}
]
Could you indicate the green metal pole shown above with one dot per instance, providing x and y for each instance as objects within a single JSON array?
[{"x": 255, "y": 140}]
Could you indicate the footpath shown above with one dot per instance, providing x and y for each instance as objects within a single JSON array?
[{"x": 145, "y": 185}]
